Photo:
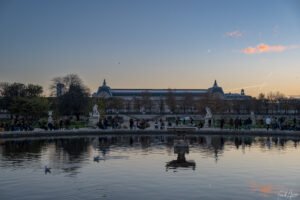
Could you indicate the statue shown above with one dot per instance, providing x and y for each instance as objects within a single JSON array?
[
  {"x": 94, "y": 116},
  {"x": 208, "y": 118},
  {"x": 253, "y": 119},
  {"x": 95, "y": 111},
  {"x": 50, "y": 121},
  {"x": 208, "y": 113}
]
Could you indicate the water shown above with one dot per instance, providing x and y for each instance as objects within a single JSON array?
[{"x": 134, "y": 167}]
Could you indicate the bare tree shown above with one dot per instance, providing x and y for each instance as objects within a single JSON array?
[
  {"x": 116, "y": 104},
  {"x": 146, "y": 101},
  {"x": 171, "y": 100},
  {"x": 137, "y": 104},
  {"x": 67, "y": 81},
  {"x": 187, "y": 103}
]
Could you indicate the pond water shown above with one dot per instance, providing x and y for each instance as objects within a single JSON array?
[{"x": 144, "y": 167}]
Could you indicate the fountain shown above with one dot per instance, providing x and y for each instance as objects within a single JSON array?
[{"x": 181, "y": 148}]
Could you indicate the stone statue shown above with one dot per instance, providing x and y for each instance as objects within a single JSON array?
[
  {"x": 95, "y": 111},
  {"x": 208, "y": 113},
  {"x": 50, "y": 120},
  {"x": 208, "y": 118},
  {"x": 94, "y": 116},
  {"x": 253, "y": 118}
]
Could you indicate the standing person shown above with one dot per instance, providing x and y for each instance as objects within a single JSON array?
[
  {"x": 249, "y": 123},
  {"x": 192, "y": 121},
  {"x": 240, "y": 123},
  {"x": 222, "y": 123},
  {"x": 156, "y": 124},
  {"x": 61, "y": 124},
  {"x": 162, "y": 125},
  {"x": 105, "y": 122},
  {"x": 177, "y": 122},
  {"x": 236, "y": 123},
  {"x": 268, "y": 122},
  {"x": 231, "y": 123},
  {"x": 131, "y": 124}
]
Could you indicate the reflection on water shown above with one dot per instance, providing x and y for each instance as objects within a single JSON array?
[
  {"x": 181, "y": 147},
  {"x": 76, "y": 151},
  {"x": 134, "y": 167}
]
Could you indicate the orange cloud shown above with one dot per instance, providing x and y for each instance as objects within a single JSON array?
[
  {"x": 264, "y": 48},
  {"x": 234, "y": 34}
]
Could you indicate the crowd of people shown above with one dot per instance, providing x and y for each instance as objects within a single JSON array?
[
  {"x": 16, "y": 125},
  {"x": 115, "y": 122}
]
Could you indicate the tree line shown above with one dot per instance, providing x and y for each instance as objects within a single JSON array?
[{"x": 27, "y": 100}]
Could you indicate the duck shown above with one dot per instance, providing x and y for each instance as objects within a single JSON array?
[
  {"x": 97, "y": 158},
  {"x": 47, "y": 170}
]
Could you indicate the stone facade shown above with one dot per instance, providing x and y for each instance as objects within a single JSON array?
[{"x": 159, "y": 97}]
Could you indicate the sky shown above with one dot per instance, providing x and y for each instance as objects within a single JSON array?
[{"x": 176, "y": 44}]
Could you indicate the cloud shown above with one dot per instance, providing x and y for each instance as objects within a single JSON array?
[
  {"x": 234, "y": 34},
  {"x": 265, "y": 48}
]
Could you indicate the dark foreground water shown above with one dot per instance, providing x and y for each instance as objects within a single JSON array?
[{"x": 135, "y": 168}]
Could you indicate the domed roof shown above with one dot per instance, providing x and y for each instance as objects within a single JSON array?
[
  {"x": 104, "y": 90},
  {"x": 216, "y": 89}
]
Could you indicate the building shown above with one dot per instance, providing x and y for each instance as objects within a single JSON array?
[{"x": 158, "y": 97}]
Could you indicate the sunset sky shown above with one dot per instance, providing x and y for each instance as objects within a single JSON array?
[{"x": 154, "y": 43}]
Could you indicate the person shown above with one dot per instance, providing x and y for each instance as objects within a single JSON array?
[
  {"x": 231, "y": 123},
  {"x": 268, "y": 122},
  {"x": 61, "y": 124},
  {"x": 113, "y": 123},
  {"x": 105, "y": 123},
  {"x": 222, "y": 123},
  {"x": 50, "y": 126},
  {"x": 200, "y": 125},
  {"x": 236, "y": 123},
  {"x": 192, "y": 121},
  {"x": 162, "y": 125},
  {"x": 131, "y": 124},
  {"x": 156, "y": 124},
  {"x": 100, "y": 124},
  {"x": 240, "y": 123},
  {"x": 1, "y": 127},
  {"x": 177, "y": 122},
  {"x": 249, "y": 123}
]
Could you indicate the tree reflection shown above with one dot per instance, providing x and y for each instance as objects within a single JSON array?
[
  {"x": 20, "y": 151},
  {"x": 69, "y": 155}
]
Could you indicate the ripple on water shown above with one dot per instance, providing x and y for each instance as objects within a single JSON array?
[{"x": 226, "y": 168}]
